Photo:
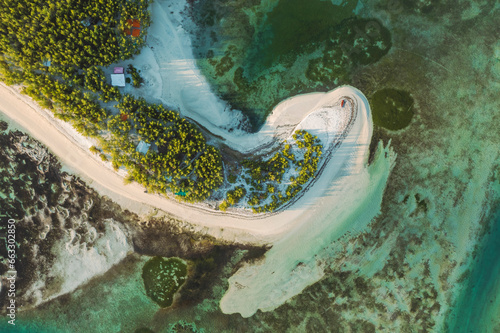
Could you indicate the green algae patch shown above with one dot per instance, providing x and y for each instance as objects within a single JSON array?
[
  {"x": 163, "y": 278},
  {"x": 392, "y": 108}
]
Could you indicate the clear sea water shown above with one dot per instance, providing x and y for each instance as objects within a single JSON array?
[{"x": 478, "y": 309}]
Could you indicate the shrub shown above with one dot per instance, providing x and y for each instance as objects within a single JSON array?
[
  {"x": 234, "y": 196},
  {"x": 137, "y": 80},
  {"x": 223, "y": 206},
  {"x": 231, "y": 179},
  {"x": 94, "y": 150}
]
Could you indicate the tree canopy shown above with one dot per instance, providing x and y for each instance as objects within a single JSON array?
[
  {"x": 75, "y": 33},
  {"x": 56, "y": 50}
]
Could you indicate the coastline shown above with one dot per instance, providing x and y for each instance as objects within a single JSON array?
[
  {"x": 257, "y": 230},
  {"x": 424, "y": 262},
  {"x": 345, "y": 196},
  {"x": 169, "y": 50}
]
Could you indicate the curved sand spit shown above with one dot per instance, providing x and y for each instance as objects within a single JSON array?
[{"x": 259, "y": 230}]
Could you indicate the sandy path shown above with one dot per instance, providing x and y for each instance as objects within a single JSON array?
[{"x": 257, "y": 229}]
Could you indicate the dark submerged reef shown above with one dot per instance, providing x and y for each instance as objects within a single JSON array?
[
  {"x": 391, "y": 108},
  {"x": 163, "y": 278}
]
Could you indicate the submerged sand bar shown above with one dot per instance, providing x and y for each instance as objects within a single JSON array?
[{"x": 259, "y": 229}]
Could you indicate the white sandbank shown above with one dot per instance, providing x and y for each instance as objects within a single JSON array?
[
  {"x": 186, "y": 89},
  {"x": 296, "y": 260}
]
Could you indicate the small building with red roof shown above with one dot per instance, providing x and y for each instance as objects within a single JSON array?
[{"x": 134, "y": 28}]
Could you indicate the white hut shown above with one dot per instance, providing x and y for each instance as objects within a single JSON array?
[
  {"x": 143, "y": 147},
  {"x": 118, "y": 80}
]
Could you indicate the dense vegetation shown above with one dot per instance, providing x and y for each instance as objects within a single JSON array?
[
  {"x": 95, "y": 81},
  {"x": 392, "y": 108},
  {"x": 275, "y": 181},
  {"x": 70, "y": 34},
  {"x": 59, "y": 55},
  {"x": 233, "y": 197},
  {"x": 181, "y": 162},
  {"x": 162, "y": 278}
]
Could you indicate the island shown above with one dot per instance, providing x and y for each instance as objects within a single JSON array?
[
  {"x": 193, "y": 160},
  {"x": 225, "y": 165}
]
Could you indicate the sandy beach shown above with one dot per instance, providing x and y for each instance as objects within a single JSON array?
[{"x": 254, "y": 229}]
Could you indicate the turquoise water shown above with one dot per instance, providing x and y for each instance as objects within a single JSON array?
[
  {"x": 34, "y": 326},
  {"x": 478, "y": 309},
  {"x": 113, "y": 302}
]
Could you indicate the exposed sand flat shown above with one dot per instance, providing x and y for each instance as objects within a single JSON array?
[
  {"x": 183, "y": 85},
  {"x": 187, "y": 90},
  {"x": 344, "y": 200},
  {"x": 256, "y": 229}
]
